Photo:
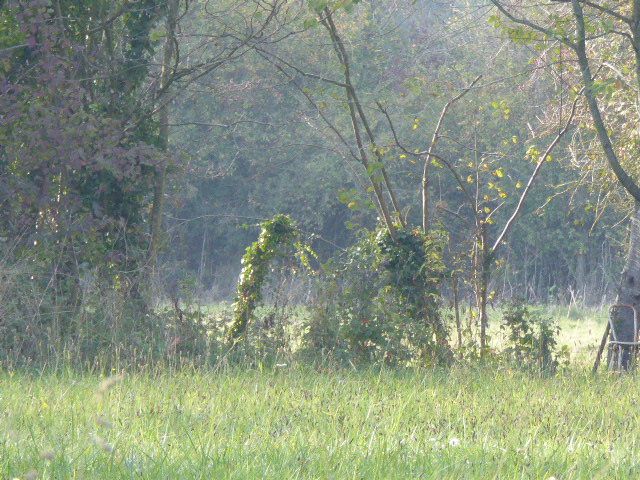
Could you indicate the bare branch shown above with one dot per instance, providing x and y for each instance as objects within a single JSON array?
[
  {"x": 525, "y": 193},
  {"x": 353, "y": 101},
  {"x": 431, "y": 151},
  {"x": 538, "y": 28},
  {"x": 362, "y": 157},
  {"x": 432, "y": 155},
  {"x": 300, "y": 71},
  {"x": 603, "y": 9},
  {"x": 220, "y": 125}
]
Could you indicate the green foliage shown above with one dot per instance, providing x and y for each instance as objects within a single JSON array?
[
  {"x": 278, "y": 237},
  {"x": 319, "y": 5},
  {"x": 414, "y": 269},
  {"x": 309, "y": 176},
  {"x": 87, "y": 217},
  {"x": 379, "y": 301},
  {"x": 10, "y": 37},
  {"x": 532, "y": 338},
  {"x": 518, "y": 34}
]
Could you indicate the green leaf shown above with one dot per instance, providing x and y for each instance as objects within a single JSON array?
[
  {"x": 318, "y": 5},
  {"x": 310, "y": 22},
  {"x": 374, "y": 167}
]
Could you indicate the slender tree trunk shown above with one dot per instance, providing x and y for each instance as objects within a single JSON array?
[
  {"x": 456, "y": 309},
  {"x": 482, "y": 308},
  {"x": 581, "y": 276},
  {"x": 356, "y": 111},
  {"x": 425, "y": 195},
  {"x": 481, "y": 275},
  {"x": 484, "y": 276},
  {"x": 203, "y": 252},
  {"x": 432, "y": 150},
  {"x": 160, "y": 173}
]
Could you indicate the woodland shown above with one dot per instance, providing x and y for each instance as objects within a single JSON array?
[
  {"x": 319, "y": 239},
  {"x": 354, "y": 182}
]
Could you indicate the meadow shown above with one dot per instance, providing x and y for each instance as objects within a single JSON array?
[{"x": 470, "y": 421}]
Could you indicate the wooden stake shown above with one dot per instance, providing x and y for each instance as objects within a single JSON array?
[{"x": 603, "y": 342}]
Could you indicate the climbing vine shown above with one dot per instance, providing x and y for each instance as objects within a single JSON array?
[
  {"x": 414, "y": 269},
  {"x": 279, "y": 237},
  {"x": 414, "y": 266},
  {"x": 381, "y": 300}
]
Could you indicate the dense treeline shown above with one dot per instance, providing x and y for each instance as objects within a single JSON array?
[
  {"x": 431, "y": 160},
  {"x": 258, "y": 138}
]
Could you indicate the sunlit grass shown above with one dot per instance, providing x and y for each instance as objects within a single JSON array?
[
  {"x": 581, "y": 330},
  {"x": 294, "y": 422},
  {"x": 463, "y": 423}
]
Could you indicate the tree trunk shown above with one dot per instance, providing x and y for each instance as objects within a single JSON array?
[
  {"x": 581, "y": 276},
  {"x": 482, "y": 307},
  {"x": 622, "y": 315},
  {"x": 203, "y": 254},
  {"x": 482, "y": 285},
  {"x": 456, "y": 309},
  {"x": 425, "y": 196},
  {"x": 355, "y": 111},
  {"x": 163, "y": 113}
]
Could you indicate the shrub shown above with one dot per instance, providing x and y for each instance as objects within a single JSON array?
[
  {"x": 41, "y": 317},
  {"x": 532, "y": 338},
  {"x": 380, "y": 301}
]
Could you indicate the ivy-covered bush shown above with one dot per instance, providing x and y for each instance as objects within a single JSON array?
[
  {"x": 279, "y": 238},
  {"x": 380, "y": 301}
]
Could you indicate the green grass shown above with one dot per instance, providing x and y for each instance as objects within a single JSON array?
[
  {"x": 581, "y": 331},
  {"x": 463, "y": 423},
  {"x": 306, "y": 424}
]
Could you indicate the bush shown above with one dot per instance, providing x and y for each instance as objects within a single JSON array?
[
  {"x": 81, "y": 316},
  {"x": 380, "y": 301},
  {"x": 532, "y": 338}
]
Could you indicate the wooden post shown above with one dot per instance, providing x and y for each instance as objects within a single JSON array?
[{"x": 603, "y": 343}]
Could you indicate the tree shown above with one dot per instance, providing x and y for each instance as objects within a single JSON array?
[
  {"x": 70, "y": 164},
  {"x": 363, "y": 126},
  {"x": 85, "y": 133},
  {"x": 579, "y": 29},
  {"x": 481, "y": 205},
  {"x": 167, "y": 69},
  {"x": 254, "y": 24}
]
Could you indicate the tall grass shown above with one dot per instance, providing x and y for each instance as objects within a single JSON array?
[
  {"x": 302, "y": 423},
  {"x": 168, "y": 420}
]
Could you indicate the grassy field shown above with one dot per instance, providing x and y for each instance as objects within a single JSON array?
[{"x": 301, "y": 423}]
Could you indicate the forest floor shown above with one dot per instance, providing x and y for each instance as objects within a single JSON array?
[{"x": 467, "y": 422}]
